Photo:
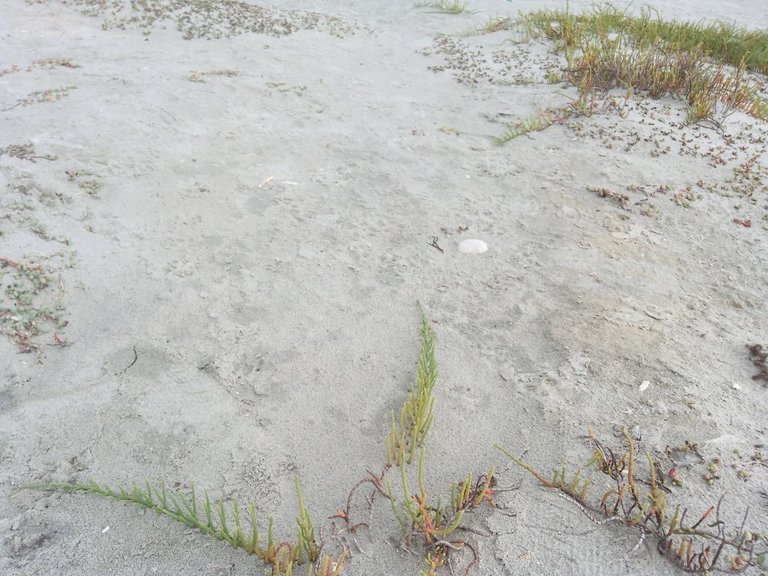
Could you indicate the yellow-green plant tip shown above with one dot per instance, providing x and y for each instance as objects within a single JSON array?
[
  {"x": 674, "y": 521},
  {"x": 452, "y": 526},
  {"x": 395, "y": 511},
  {"x": 525, "y": 466},
  {"x": 407, "y": 498},
  {"x": 254, "y": 545},
  {"x": 208, "y": 511},
  {"x": 422, "y": 490},
  {"x": 340, "y": 562},
  {"x": 585, "y": 489},
  {"x": 270, "y": 539},
  {"x": 223, "y": 521},
  {"x": 467, "y": 488},
  {"x": 575, "y": 482}
]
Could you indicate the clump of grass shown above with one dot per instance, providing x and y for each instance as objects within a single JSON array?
[
  {"x": 227, "y": 523},
  {"x": 640, "y": 501},
  {"x": 409, "y": 432},
  {"x": 584, "y": 105},
  {"x": 706, "y": 66},
  {"x": 711, "y": 93},
  {"x": 722, "y": 42},
  {"x": 535, "y": 123},
  {"x": 445, "y": 6}
]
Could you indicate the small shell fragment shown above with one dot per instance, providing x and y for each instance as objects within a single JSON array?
[
  {"x": 736, "y": 386},
  {"x": 105, "y": 530},
  {"x": 644, "y": 386},
  {"x": 472, "y": 246}
]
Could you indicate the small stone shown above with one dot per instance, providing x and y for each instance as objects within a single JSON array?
[
  {"x": 472, "y": 246},
  {"x": 736, "y": 386},
  {"x": 644, "y": 386}
]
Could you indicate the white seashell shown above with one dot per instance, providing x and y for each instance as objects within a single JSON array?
[
  {"x": 736, "y": 386},
  {"x": 472, "y": 246},
  {"x": 644, "y": 386}
]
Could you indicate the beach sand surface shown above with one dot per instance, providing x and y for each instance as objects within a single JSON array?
[{"x": 225, "y": 218}]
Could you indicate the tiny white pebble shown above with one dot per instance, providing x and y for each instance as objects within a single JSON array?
[
  {"x": 472, "y": 246},
  {"x": 644, "y": 386},
  {"x": 736, "y": 386},
  {"x": 105, "y": 530}
]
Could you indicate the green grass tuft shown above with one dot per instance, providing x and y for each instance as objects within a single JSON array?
[
  {"x": 722, "y": 42},
  {"x": 446, "y": 6},
  {"x": 710, "y": 67}
]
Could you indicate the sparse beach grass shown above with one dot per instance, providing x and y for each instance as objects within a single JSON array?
[
  {"x": 710, "y": 67},
  {"x": 720, "y": 41},
  {"x": 446, "y": 6}
]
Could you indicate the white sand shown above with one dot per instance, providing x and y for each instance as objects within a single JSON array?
[{"x": 242, "y": 288}]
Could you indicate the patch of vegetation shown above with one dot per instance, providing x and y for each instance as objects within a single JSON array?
[
  {"x": 445, "y": 6},
  {"x": 636, "y": 499},
  {"x": 621, "y": 199},
  {"x": 206, "y": 18},
  {"x": 425, "y": 523},
  {"x": 535, "y": 123},
  {"x": 699, "y": 544},
  {"x": 24, "y": 152},
  {"x": 709, "y": 67},
  {"x": 720, "y": 41},
  {"x": 40, "y": 96},
  {"x": 433, "y": 524},
  {"x": 202, "y": 75},
  {"x": 494, "y": 24},
  {"x": 51, "y": 63},
  {"x": 408, "y": 434},
  {"x": 88, "y": 182},
  {"x": 29, "y": 304},
  {"x": 227, "y": 523}
]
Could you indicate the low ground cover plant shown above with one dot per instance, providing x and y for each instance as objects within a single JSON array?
[
  {"x": 634, "y": 495},
  {"x": 427, "y": 525}
]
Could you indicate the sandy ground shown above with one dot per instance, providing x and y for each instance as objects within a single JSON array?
[{"x": 225, "y": 235}]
